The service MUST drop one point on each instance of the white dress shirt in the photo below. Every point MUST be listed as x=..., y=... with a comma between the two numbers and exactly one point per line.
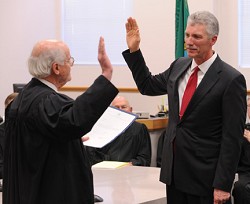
x=203, y=69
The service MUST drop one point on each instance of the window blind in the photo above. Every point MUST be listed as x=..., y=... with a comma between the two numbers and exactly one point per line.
x=244, y=34
x=84, y=21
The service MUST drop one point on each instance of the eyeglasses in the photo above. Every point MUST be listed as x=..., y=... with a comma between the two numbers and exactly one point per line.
x=122, y=107
x=71, y=61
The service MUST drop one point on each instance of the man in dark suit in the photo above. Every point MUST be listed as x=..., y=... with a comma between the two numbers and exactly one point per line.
x=45, y=161
x=202, y=146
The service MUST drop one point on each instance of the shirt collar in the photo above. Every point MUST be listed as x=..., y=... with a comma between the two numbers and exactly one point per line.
x=49, y=84
x=205, y=65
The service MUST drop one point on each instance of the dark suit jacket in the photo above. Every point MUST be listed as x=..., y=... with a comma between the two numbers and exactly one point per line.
x=209, y=135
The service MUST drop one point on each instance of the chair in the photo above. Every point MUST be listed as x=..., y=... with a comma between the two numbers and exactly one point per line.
x=236, y=178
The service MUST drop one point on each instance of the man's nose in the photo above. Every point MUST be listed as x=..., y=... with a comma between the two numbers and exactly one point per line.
x=188, y=40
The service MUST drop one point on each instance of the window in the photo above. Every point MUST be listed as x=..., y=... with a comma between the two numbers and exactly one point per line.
x=244, y=34
x=84, y=21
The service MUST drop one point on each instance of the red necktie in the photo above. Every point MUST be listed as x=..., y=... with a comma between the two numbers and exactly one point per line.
x=189, y=91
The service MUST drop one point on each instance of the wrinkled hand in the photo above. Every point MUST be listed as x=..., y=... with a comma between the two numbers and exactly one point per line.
x=85, y=138
x=247, y=135
x=133, y=35
x=104, y=61
x=220, y=196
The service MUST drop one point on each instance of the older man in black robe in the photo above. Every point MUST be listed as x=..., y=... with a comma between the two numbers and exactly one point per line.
x=45, y=161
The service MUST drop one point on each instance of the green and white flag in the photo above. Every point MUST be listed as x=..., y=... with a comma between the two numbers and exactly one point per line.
x=181, y=15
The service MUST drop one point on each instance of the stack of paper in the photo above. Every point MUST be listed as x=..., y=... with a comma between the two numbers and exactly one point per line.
x=110, y=165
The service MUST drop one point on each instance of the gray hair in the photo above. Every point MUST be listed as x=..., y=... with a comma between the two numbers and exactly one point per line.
x=43, y=55
x=205, y=18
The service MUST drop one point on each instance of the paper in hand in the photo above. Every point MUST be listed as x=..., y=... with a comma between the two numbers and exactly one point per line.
x=111, y=124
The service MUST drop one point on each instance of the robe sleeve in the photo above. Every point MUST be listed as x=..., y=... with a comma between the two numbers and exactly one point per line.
x=69, y=119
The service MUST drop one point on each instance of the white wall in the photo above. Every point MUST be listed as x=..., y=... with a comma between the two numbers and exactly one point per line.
x=23, y=23
x=22, y=26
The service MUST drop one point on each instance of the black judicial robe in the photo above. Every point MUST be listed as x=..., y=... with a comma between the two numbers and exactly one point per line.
x=1, y=149
x=241, y=192
x=45, y=161
x=133, y=145
x=244, y=163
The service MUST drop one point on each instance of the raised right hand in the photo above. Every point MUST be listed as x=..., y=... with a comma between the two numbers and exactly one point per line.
x=107, y=68
x=133, y=35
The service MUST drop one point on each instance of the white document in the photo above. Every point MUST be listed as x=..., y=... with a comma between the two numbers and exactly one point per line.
x=110, y=165
x=111, y=124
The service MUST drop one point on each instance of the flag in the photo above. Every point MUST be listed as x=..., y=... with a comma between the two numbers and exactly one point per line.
x=181, y=15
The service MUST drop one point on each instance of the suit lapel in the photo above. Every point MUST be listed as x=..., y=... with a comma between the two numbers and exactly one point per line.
x=180, y=71
x=206, y=84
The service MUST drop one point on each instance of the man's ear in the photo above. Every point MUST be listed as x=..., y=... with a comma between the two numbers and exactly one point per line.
x=131, y=109
x=214, y=39
x=55, y=68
